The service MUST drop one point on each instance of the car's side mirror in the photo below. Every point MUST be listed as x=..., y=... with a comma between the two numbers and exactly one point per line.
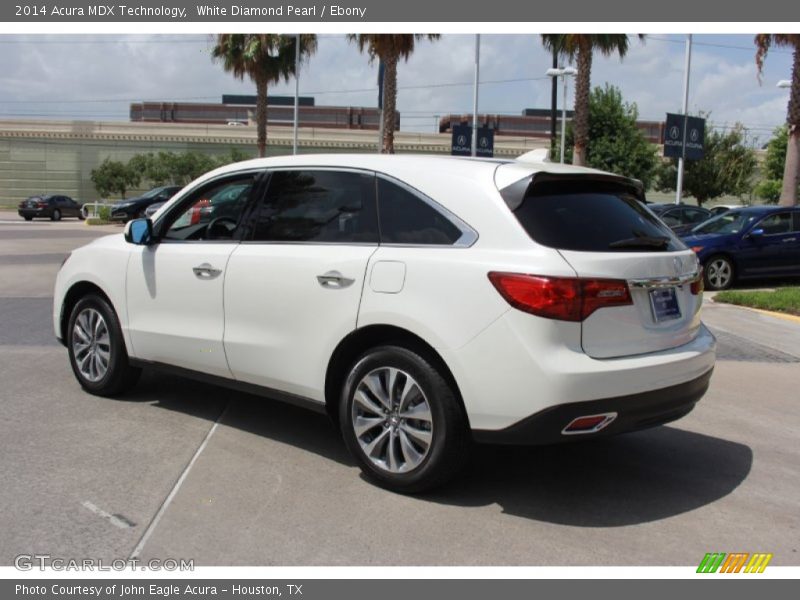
x=756, y=233
x=139, y=232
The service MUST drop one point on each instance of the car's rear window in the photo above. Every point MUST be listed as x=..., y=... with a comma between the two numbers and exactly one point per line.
x=591, y=216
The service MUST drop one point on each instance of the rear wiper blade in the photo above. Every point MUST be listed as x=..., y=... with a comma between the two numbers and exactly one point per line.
x=641, y=242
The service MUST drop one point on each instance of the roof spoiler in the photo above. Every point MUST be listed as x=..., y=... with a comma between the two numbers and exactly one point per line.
x=540, y=155
x=515, y=193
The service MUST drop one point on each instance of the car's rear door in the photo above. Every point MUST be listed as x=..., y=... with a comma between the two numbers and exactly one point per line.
x=292, y=289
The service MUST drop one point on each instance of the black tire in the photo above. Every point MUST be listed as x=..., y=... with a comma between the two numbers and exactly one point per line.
x=718, y=273
x=28, y=218
x=56, y=216
x=120, y=375
x=450, y=445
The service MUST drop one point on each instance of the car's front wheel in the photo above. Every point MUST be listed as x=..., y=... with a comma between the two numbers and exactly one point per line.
x=96, y=349
x=718, y=272
x=402, y=421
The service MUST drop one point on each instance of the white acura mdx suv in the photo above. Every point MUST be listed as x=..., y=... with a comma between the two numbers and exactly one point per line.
x=424, y=303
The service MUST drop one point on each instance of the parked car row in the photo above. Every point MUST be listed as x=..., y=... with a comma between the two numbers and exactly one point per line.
x=133, y=208
x=736, y=243
x=755, y=242
x=56, y=207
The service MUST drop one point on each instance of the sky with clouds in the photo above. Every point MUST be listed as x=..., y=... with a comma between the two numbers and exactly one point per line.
x=96, y=77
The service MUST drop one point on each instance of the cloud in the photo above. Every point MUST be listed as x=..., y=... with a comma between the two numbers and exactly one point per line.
x=65, y=76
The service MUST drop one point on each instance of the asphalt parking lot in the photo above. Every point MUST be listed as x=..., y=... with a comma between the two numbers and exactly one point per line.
x=84, y=476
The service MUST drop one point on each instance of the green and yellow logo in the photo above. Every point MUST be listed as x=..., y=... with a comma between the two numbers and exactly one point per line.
x=719, y=562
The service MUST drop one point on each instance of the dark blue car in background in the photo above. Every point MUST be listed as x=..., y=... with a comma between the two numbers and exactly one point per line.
x=748, y=243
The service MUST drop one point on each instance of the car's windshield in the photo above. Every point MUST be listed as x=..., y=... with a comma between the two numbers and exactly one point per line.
x=729, y=222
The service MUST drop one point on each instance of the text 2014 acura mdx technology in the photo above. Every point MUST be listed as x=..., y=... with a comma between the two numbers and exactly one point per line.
x=424, y=303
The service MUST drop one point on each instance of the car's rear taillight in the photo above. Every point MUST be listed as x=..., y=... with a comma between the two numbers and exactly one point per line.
x=41, y=204
x=562, y=298
x=697, y=286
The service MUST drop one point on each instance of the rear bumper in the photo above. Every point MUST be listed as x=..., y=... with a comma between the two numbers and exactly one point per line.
x=633, y=412
x=33, y=212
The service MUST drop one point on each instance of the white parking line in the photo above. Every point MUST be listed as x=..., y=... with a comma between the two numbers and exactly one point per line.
x=154, y=523
x=113, y=519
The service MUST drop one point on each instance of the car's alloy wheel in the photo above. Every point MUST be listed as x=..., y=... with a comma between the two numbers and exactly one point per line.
x=719, y=273
x=91, y=344
x=56, y=215
x=392, y=420
x=96, y=348
x=402, y=420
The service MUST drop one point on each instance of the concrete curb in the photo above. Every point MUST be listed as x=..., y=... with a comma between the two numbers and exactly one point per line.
x=771, y=313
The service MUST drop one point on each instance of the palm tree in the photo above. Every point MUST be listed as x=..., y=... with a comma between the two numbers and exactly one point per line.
x=265, y=58
x=389, y=49
x=791, y=167
x=580, y=47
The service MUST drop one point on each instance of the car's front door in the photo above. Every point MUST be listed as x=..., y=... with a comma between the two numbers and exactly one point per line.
x=764, y=249
x=175, y=286
x=292, y=290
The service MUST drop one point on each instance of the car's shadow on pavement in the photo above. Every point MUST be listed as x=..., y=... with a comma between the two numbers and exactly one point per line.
x=623, y=480
x=634, y=478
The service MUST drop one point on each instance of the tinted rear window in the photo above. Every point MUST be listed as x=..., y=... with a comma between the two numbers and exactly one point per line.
x=592, y=216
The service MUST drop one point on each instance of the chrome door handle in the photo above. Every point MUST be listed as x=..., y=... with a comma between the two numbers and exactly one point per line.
x=334, y=279
x=206, y=271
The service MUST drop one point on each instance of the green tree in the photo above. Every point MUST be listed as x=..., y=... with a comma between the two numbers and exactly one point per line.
x=265, y=58
x=769, y=188
x=726, y=168
x=113, y=176
x=234, y=155
x=581, y=48
x=181, y=167
x=389, y=49
x=618, y=145
x=791, y=166
x=151, y=168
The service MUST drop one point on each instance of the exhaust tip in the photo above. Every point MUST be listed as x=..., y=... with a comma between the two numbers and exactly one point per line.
x=589, y=424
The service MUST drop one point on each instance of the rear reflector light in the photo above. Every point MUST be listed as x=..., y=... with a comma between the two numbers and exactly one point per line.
x=562, y=298
x=589, y=424
x=697, y=285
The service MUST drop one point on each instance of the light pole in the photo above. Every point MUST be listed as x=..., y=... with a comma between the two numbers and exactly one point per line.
x=563, y=72
x=682, y=157
x=296, y=92
x=475, y=94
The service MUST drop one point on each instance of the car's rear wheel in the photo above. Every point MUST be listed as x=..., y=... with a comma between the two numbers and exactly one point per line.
x=97, y=350
x=56, y=216
x=718, y=273
x=29, y=218
x=402, y=421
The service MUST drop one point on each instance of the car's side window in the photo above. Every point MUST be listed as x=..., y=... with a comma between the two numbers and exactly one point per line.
x=776, y=224
x=405, y=218
x=694, y=216
x=212, y=213
x=796, y=221
x=325, y=206
x=671, y=218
